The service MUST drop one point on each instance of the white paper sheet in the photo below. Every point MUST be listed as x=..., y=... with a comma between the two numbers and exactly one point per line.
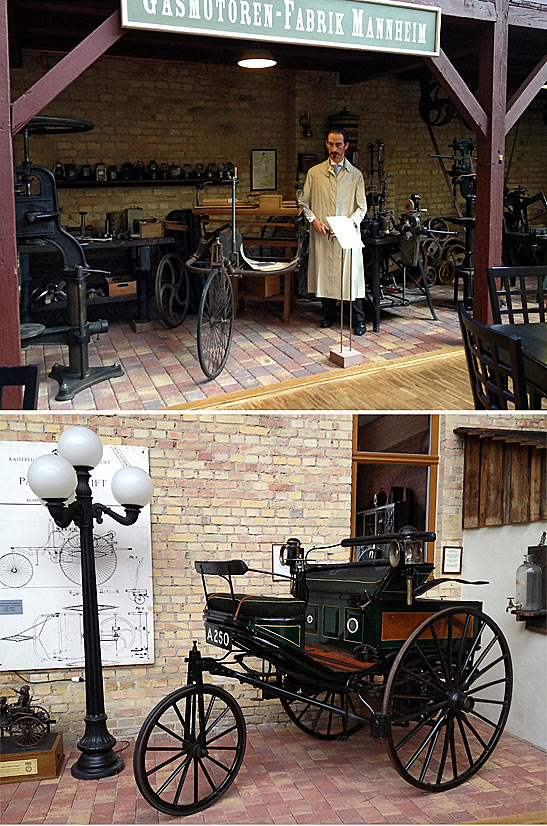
x=347, y=234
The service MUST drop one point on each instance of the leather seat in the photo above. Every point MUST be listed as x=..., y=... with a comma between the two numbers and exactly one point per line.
x=250, y=605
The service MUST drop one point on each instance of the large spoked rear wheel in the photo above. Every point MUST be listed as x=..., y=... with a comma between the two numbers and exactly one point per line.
x=215, y=322
x=447, y=698
x=319, y=722
x=189, y=749
x=172, y=289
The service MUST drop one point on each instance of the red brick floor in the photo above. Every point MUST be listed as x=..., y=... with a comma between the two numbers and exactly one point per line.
x=161, y=366
x=288, y=777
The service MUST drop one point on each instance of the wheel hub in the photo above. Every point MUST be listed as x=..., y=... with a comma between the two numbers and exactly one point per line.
x=197, y=749
x=458, y=701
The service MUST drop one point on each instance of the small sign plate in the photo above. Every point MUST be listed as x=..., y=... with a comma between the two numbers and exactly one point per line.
x=216, y=635
x=14, y=768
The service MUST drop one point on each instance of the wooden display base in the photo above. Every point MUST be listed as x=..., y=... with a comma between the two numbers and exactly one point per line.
x=18, y=765
x=346, y=357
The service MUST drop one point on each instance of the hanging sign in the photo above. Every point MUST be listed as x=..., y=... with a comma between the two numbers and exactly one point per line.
x=343, y=24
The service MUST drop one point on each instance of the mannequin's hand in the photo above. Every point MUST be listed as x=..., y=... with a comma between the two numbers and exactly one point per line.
x=319, y=226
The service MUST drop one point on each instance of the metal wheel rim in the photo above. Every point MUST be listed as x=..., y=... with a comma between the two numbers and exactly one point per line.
x=215, y=323
x=448, y=687
x=454, y=251
x=317, y=722
x=172, y=289
x=27, y=730
x=184, y=723
x=446, y=271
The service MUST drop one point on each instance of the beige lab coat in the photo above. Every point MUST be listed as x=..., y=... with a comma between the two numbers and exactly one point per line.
x=323, y=195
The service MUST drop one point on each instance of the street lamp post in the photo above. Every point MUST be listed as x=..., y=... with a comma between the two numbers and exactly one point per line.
x=66, y=476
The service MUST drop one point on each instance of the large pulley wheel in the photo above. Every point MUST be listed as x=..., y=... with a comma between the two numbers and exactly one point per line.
x=215, y=322
x=189, y=749
x=319, y=722
x=172, y=289
x=447, y=698
x=46, y=125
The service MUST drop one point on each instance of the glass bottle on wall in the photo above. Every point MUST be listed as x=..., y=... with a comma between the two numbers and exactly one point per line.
x=528, y=589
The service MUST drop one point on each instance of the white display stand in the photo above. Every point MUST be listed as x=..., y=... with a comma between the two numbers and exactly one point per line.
x=348, y=236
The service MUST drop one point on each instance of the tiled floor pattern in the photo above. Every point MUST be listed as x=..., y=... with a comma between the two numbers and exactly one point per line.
x=161, y=366
x=288, y=777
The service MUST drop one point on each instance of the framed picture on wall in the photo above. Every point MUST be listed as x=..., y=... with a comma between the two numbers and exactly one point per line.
x=452, y=559
x=264, y=169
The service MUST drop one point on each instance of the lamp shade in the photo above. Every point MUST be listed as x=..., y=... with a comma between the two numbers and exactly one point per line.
x=132, y=486
x=81, y=447
x=52, y=477
x=257, y=59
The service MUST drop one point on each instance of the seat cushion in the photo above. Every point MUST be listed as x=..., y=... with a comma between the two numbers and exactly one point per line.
x=250, y=605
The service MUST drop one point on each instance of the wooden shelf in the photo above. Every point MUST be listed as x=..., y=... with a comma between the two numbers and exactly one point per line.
x=91, y=184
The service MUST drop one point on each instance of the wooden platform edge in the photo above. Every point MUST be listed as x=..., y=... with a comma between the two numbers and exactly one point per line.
x=218, y=402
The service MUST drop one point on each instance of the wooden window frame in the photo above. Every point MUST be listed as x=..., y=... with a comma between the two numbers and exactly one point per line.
x=430, y=460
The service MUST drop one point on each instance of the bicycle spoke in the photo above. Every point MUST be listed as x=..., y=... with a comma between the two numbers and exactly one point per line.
x=218, y=763
x=173, y=775
x=207, y=775
x=165, y=763
x=464, y=738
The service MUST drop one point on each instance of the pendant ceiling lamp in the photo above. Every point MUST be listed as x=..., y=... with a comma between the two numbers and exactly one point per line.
x=257, y=59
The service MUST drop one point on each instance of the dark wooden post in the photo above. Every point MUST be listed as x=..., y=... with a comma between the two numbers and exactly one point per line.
x=10, y=333
x=492, y=95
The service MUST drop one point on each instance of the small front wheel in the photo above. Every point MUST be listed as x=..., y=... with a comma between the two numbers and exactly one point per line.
x=215, y=322
x=189, y=749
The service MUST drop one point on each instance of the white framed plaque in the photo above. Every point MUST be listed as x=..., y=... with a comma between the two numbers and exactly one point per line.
x=452, y=559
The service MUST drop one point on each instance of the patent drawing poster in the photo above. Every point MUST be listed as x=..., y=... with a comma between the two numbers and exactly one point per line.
x=40, y=571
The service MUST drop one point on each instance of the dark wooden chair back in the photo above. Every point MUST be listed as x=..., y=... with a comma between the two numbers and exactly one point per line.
x=517, y=294
x=494, y=362
x=27, y=377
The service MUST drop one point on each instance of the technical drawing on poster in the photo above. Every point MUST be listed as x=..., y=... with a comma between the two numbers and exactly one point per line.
x=40, y=572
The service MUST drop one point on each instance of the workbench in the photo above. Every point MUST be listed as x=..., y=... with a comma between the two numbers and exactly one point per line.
x=140, y=250
x=255, y=217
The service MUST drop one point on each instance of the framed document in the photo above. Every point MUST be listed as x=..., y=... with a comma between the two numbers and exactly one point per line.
x=452, y=559
x=263, y=169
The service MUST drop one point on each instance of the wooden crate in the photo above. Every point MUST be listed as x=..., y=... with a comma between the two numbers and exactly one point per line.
x=120, y=285
x=45, y=763
x=270, y=201
x=263, y=286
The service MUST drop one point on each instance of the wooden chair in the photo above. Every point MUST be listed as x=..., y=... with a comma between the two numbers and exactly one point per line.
x=517, y=294
x=495, y=365
x=27, y=377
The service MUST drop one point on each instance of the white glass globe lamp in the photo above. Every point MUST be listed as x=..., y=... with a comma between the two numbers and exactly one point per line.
x=52, y=477
x=132, y=486
x=81, y=447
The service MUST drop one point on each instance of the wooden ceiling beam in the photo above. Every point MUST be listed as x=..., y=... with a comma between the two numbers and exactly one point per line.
x=65, y=72
x=457, y=89
x=525, y=94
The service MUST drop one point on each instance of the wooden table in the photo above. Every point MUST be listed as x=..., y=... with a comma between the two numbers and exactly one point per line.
x=142, y=248
x=255, y=216
x=534, y=351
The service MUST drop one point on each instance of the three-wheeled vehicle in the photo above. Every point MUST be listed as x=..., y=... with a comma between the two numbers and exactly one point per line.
x=354, y=644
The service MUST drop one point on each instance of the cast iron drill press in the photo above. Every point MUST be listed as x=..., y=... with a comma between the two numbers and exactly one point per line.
x=37, y=219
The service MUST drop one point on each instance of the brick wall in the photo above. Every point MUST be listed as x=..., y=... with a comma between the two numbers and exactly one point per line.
x=225, y=487
x=229, y=486
x=191, y=112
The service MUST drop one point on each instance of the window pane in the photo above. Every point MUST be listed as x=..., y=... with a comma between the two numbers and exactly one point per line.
x=393, y=434
x=389, y=497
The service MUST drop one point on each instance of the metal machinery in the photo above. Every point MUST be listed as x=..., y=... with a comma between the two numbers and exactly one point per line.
x=353, y=646
x=26, y=723
x=37, y=221
x=523, y=245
